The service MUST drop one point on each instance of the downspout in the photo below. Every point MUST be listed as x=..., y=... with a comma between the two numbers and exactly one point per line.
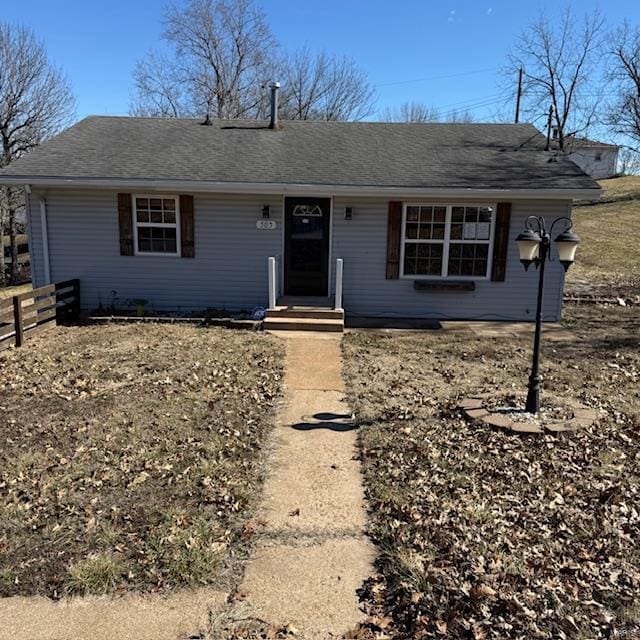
x=45, y=241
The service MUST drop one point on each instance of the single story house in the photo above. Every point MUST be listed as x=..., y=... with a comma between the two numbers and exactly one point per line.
x=404, y=220
x=597, y=159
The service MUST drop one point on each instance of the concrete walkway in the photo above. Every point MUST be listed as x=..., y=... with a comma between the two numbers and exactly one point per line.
x=131, y=617
x=312, y=554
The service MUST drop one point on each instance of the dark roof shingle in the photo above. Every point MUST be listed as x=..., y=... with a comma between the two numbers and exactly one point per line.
x=413, y=155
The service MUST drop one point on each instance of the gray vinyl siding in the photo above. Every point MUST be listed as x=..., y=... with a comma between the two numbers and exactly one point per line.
x=362, y=244
x=229, y=270
x=230, y=267
x=34, y=231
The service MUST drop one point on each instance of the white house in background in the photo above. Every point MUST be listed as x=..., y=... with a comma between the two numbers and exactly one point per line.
x=598, y=159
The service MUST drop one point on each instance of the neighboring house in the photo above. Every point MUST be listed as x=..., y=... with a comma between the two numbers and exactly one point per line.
x=598, y=159
x=186, y=216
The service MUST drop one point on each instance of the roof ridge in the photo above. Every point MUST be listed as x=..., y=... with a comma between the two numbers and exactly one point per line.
x=309, y=122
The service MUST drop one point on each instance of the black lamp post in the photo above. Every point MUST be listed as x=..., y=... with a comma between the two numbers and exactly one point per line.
x=534, y=245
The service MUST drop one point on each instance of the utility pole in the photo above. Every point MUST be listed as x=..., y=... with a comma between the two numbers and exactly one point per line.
x=549, y=122
x=520, y=73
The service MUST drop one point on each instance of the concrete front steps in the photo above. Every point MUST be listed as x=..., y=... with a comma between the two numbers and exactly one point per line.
x=294, y=317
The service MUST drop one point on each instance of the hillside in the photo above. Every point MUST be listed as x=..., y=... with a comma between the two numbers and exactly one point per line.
x=608, y=260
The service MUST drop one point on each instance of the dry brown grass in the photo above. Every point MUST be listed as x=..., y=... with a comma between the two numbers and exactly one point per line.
x=624, y=187
x=483, y=534
x=608, y=258
x=131, y=456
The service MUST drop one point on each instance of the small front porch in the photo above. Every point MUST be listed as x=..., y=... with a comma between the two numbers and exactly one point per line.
x=304, y=313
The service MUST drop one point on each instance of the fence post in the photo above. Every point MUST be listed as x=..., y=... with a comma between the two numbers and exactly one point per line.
x=18, y=321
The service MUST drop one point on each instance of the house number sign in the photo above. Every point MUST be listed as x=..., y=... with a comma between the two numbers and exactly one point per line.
x=266, y=224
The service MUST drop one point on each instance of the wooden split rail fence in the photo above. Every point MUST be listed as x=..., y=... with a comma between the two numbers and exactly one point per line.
x=30, y=312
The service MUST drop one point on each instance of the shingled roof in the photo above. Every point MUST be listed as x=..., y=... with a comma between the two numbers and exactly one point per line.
x=358, y=154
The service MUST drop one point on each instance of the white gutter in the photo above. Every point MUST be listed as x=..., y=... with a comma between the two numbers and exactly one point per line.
x=45, y=241
x=266, y=188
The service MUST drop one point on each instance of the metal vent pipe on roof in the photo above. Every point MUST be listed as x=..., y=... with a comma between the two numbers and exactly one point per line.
x=273, y=120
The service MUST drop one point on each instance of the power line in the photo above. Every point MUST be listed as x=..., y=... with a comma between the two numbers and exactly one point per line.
x=453, y=75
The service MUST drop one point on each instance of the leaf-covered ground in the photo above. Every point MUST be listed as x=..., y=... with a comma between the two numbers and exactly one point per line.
x=131, y=456
x=483, y=534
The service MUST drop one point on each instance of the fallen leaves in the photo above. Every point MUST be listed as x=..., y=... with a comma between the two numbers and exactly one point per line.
x=489, y=536
x=130, y=456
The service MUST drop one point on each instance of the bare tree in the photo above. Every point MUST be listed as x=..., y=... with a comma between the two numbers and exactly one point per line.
x=462, y=117
x=411, y=112
x=224, y=54
x=560, y=60
x=160, y=89
x=35, y=103
x=223, y=57
x=624, y=114
x=324, y=87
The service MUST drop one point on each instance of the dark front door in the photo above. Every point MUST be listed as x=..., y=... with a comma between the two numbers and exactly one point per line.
x=306, y=246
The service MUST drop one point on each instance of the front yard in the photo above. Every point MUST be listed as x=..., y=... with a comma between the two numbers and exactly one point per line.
x=131, y=456
x=483, y=534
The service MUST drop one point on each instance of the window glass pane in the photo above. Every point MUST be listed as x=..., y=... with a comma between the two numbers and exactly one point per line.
x=438, y=232
x=142, y=216
x=483, y=230
x=169, y=204
x=426, y=214
x=485, y=214
x=456, y=231
x=170, y=217
x=480, y=268
x=457, y=214
x=142, y=203
x=425, y=231
x=471, y=214
x=412, y=231
x=155, y=203
x=466, y=267
x=439, y=214
x=424, y=250
x=156, y=216
x=412, y=214
x=157, y=239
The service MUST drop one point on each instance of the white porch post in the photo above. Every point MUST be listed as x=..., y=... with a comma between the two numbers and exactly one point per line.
x=272, y=282
x=339, y=269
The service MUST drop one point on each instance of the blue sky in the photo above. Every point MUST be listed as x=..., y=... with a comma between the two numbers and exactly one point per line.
x=396, y=43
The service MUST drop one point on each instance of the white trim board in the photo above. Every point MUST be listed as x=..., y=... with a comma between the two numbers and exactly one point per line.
x=263, y=188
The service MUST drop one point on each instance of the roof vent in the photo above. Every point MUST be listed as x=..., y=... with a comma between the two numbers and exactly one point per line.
x=273, y=120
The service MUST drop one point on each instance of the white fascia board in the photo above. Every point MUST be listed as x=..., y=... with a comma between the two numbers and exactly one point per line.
x=267, y=188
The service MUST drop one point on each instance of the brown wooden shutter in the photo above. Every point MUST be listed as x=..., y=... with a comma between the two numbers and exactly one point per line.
x=501, y=242
x=186, y=227
x=394, y=231
x=125, y=221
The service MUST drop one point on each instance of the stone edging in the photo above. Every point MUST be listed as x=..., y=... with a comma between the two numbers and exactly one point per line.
x=475, y=408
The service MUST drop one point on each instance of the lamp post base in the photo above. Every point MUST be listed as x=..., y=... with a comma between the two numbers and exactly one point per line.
x=533, y=399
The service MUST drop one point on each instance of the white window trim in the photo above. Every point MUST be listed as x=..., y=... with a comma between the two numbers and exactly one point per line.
x=169, y=225
x=446, y=242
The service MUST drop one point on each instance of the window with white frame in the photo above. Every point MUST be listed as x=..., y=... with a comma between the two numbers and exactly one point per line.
x=440, y=241
x=156, y=224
